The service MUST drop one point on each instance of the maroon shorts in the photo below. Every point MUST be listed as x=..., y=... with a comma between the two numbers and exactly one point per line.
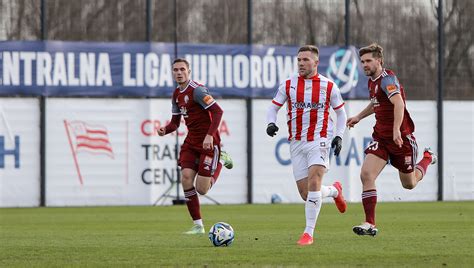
x=403, y=159
x=204, y=162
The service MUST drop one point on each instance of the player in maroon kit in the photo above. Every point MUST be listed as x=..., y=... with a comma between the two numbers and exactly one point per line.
x=200, y=152
x=393, y=138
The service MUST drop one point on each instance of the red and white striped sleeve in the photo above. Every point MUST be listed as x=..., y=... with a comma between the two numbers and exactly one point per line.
x=280, y=95
x=336, y=99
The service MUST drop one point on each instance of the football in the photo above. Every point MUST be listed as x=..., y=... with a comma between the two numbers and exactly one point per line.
x=221, y=234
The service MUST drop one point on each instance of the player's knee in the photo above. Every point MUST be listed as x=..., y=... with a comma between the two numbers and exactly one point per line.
x=187, y=180
x=366, y=176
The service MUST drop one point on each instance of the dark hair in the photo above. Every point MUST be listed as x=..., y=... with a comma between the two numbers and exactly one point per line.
x=181, y=60
x=374, y=48
x=311, y=48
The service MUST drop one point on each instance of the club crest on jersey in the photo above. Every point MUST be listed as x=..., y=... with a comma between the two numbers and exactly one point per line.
x=407, y=160
x=374, y=101
x=186, y=99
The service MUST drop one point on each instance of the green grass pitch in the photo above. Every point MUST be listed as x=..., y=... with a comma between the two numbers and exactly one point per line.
x=424, y=234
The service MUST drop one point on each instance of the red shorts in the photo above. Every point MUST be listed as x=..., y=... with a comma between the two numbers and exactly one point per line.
x=403, y=159
x=204, y=162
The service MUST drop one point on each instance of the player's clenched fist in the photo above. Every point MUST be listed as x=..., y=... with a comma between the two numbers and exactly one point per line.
x=336, y=144
x=161, y=131
x=272, y=129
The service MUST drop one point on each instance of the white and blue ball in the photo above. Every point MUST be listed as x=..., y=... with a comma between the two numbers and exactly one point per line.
x=221, y=234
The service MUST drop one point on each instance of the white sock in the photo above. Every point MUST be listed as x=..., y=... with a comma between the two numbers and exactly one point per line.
x=312, y=208
x=199, y=222
x=329, y=191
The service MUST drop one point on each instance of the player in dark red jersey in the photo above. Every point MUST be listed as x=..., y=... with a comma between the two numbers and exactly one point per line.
x=393, y=138
x=200, y=152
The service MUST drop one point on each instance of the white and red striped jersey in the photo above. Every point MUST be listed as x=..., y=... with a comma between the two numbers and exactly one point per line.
x=308, y=102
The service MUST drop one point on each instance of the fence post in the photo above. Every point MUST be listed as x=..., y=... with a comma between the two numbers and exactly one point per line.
x=148, y=21
x=42, y=100
x=248, y=102
x=440, y=98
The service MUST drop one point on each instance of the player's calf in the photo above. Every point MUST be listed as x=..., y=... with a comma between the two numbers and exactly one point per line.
x=409, y=185
x=203, y=184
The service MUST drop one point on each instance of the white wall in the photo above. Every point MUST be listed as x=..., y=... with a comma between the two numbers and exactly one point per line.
x=19, y=129
x=130, y=177
x=458, y=150
x=134, y=175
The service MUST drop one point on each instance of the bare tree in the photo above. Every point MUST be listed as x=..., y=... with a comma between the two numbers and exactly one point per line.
x=458, y=47
x=406, y=29
x=20, y=19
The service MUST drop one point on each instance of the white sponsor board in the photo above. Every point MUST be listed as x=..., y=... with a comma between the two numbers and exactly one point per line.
x=19, y=152
x=129, y=164
x=458, y=154
x=273, y=170
x=108, y=152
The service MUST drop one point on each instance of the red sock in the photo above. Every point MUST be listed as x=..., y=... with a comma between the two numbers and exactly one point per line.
x=369, y=200
x=192, y=201
x=423, y=164
x=215, y=176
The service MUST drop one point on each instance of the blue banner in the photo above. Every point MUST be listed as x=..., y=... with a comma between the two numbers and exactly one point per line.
x=54, y=68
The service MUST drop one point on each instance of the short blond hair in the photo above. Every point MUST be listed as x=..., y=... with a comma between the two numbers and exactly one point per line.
x=375, y=49
x=311, y=48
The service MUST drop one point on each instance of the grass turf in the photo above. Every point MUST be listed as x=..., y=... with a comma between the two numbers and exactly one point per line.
x=433, y=234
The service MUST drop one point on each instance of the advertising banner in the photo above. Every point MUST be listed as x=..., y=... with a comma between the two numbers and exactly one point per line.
x=108, y=152
x=55, y=68
x=19, y=152
x=272, y=163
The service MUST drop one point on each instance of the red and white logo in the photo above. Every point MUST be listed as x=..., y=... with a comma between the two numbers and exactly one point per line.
x=87, y=138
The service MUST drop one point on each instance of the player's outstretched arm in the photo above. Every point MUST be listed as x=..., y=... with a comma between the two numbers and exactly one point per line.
x=352, y=121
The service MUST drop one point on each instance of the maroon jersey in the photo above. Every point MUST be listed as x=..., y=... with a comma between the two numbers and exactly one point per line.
x=381, y=89
x=192, y=103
